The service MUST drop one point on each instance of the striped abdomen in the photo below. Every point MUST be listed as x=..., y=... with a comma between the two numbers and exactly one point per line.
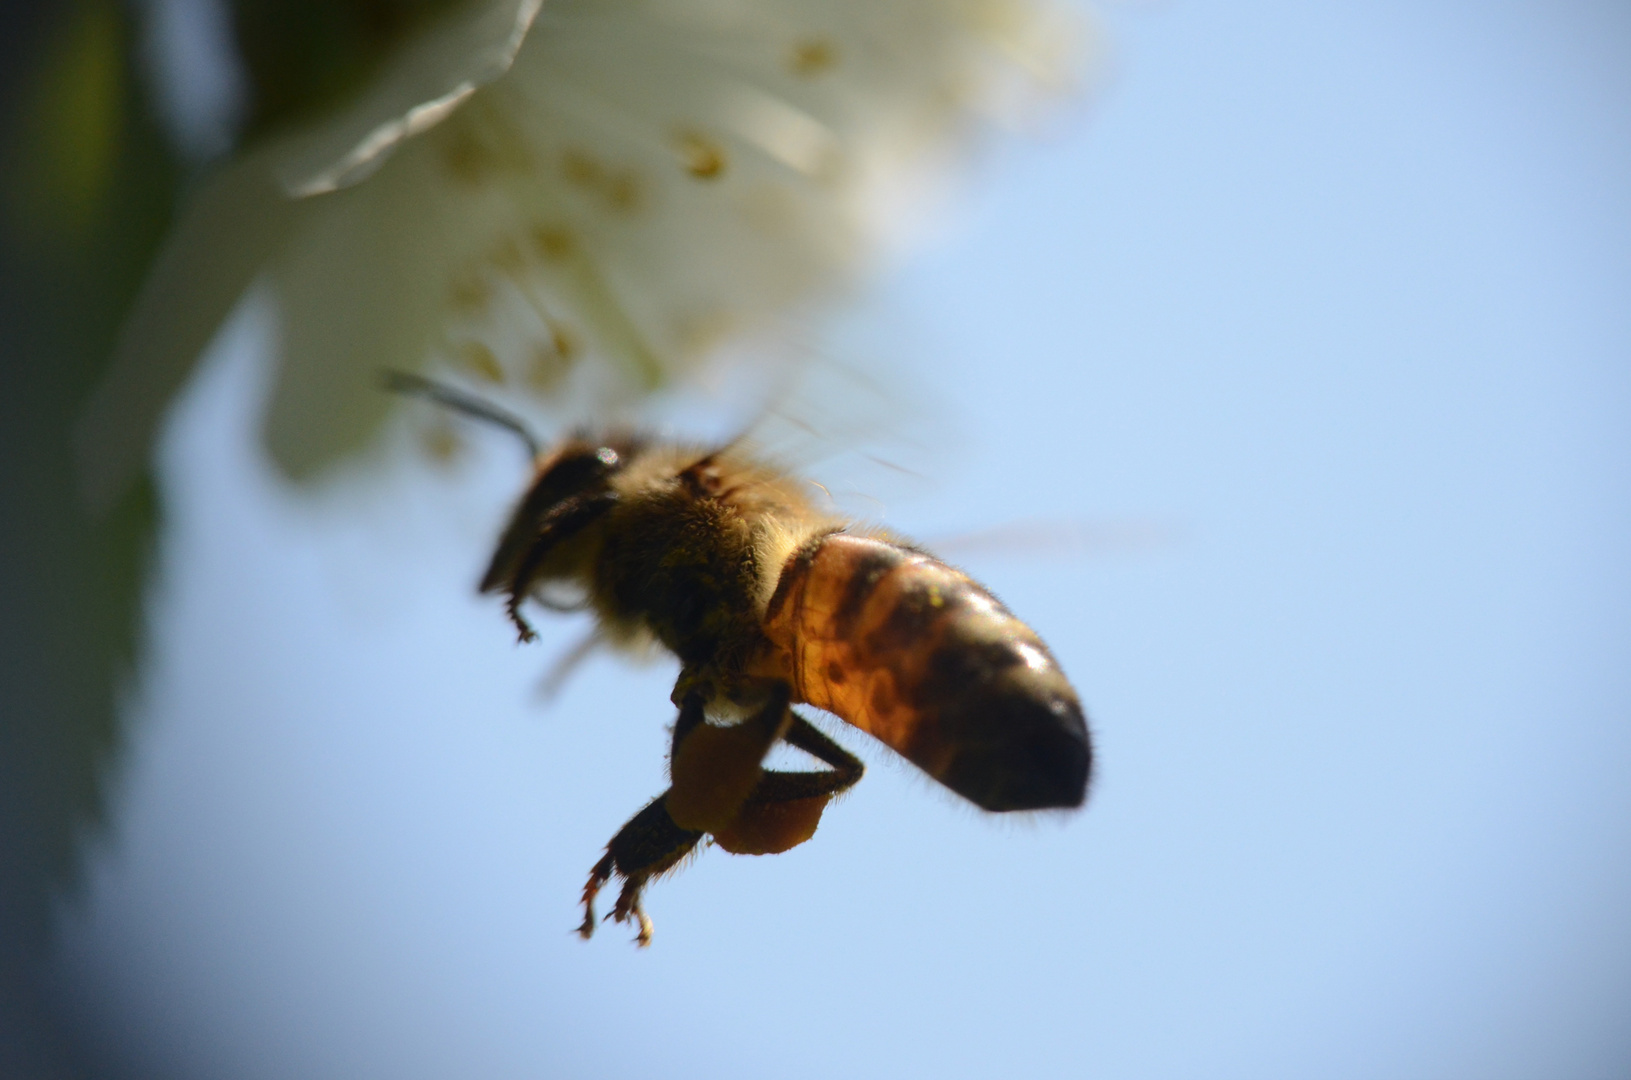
x=906, y=648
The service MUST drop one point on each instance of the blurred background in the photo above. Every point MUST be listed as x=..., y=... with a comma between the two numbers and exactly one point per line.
x=1314, y=322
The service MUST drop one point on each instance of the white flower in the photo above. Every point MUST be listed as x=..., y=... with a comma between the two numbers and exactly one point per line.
x=530, y=186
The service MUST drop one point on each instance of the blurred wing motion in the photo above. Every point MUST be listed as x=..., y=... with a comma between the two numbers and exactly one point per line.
x=576, y=201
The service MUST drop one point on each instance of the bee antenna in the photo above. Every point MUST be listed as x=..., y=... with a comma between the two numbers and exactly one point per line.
x=402, y=382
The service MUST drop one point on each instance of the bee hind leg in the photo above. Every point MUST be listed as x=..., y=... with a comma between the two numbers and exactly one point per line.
x=642, y=849
x=598, y=877
x=843, y=772
x=844, y=768
x=629, y=909
x=784, y=808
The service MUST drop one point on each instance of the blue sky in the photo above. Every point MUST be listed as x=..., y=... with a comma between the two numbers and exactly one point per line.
x=1340, y=298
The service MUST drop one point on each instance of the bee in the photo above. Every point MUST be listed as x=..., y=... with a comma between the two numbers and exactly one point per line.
x=769, y=602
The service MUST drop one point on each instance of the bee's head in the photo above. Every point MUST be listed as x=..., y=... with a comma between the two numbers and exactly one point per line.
x=572, y=486
x=573, y=476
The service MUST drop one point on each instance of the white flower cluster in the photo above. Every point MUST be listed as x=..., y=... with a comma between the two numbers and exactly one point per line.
x=532, y=186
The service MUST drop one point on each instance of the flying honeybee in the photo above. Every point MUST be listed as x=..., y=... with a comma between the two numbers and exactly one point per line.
x=769, y=602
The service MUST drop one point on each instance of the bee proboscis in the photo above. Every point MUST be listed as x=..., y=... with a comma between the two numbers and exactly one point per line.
x=769, y=602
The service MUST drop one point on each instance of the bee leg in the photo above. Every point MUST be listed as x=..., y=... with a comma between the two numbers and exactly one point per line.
x=562, y=523
x=642, y=849
x=598, y=877
x=629, y=908
x=567, y=663
x=691, y=715
x=846, y=767
x=784, y=808
x=713, y=768
x=649, y=843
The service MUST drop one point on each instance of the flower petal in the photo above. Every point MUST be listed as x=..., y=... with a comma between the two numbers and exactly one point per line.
x=649, y=180
x=235, y=222
x=435, y=74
